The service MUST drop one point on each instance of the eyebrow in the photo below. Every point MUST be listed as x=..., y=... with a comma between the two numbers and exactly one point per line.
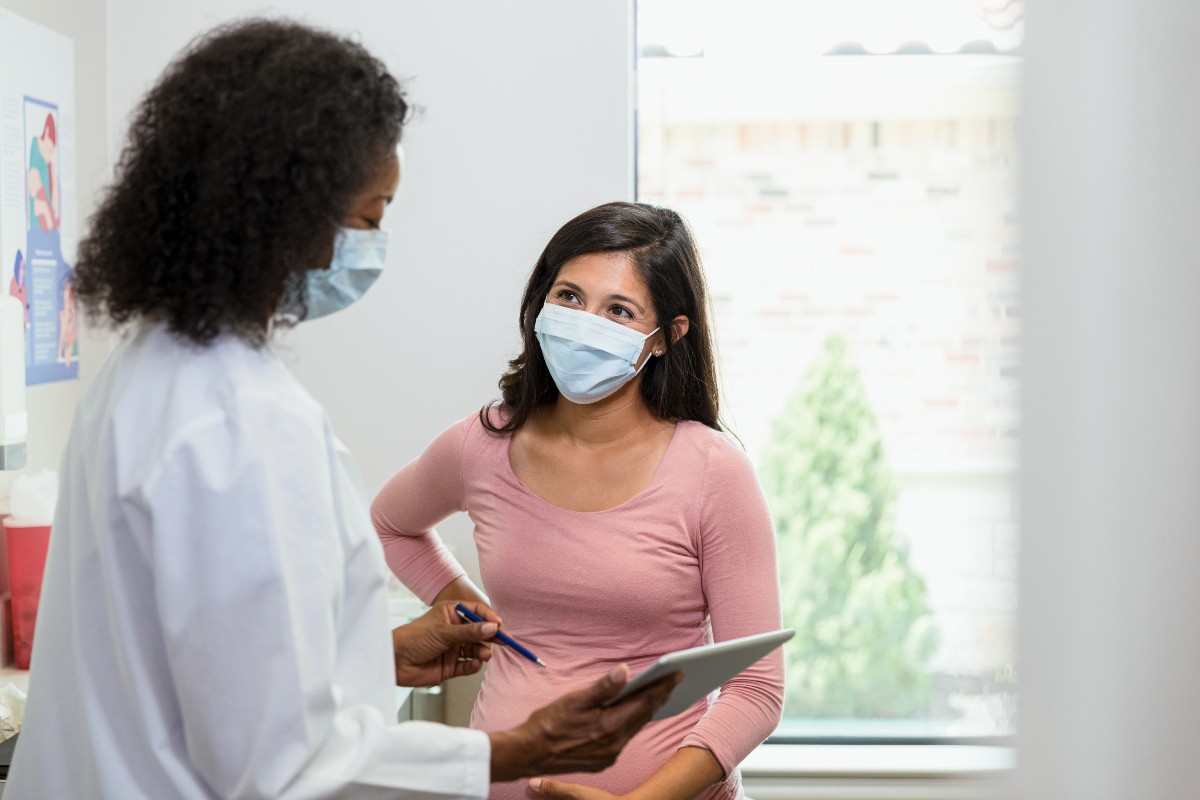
x=620, y=297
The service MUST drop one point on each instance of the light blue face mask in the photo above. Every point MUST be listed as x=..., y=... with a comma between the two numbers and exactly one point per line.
x=358, y=258
x=589, y=357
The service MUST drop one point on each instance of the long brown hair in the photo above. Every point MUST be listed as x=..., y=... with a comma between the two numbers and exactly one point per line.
x=682, y=383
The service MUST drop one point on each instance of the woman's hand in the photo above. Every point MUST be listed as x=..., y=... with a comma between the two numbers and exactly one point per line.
x=686, y=774
x=439, y=645
x=570, y=791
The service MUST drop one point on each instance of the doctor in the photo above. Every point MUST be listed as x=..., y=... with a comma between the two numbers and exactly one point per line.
x=213, y=613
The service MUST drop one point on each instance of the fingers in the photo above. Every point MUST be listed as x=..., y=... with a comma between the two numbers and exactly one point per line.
x=634, y=712
x=659, y=692
x=467, y=666
x=469, y=632
x=549, y=788
x=606, y=688
x=483, y=610
x=475, y=651
x=469, y=659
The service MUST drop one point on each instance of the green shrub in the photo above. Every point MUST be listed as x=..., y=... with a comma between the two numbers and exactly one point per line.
x=864, y=631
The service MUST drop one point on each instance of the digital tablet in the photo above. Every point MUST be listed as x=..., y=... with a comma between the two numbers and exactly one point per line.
x=704, y=668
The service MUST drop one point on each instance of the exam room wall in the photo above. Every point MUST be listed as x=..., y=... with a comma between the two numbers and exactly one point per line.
x=51, y=406
x=525, y=122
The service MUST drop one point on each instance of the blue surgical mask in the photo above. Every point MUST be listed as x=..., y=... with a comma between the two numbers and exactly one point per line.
x=358, y=258
x=589, y=357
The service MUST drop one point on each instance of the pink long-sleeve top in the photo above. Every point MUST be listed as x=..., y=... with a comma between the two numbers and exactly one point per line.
x=687, y=561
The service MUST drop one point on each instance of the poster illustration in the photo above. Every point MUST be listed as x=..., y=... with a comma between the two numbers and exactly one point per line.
x=37, y=192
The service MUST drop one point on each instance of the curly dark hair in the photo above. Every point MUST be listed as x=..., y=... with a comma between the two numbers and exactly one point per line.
x=241, y=163
x=682, y=383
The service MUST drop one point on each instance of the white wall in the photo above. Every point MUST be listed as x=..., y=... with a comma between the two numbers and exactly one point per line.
x=1110, y=545
x=526, y=122
x=51, y=406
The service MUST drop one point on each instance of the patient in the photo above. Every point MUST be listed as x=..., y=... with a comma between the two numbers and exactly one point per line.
x=615, y=521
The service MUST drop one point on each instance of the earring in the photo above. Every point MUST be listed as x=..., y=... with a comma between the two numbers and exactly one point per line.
x=658, y=352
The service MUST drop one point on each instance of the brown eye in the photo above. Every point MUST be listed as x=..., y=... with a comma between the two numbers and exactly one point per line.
x=620, y=311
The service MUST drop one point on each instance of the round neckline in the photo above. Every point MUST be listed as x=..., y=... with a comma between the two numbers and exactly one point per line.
x=654, y=479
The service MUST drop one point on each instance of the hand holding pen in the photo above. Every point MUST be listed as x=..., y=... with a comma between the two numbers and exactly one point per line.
x=437, y=645
x=501, y=637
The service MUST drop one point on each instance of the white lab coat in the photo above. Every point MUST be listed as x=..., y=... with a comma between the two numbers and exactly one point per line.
x=213, y=621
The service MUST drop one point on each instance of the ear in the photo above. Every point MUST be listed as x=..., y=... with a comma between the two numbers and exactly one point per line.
x=679, y=328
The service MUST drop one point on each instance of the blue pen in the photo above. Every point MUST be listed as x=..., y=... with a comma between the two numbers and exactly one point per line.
x=471, y=616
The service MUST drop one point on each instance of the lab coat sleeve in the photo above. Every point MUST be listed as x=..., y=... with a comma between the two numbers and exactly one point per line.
x=741, y=587
x=249, y=574
x=419, y=496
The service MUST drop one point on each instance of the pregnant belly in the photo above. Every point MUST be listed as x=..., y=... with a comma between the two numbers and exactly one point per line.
x=511, y=692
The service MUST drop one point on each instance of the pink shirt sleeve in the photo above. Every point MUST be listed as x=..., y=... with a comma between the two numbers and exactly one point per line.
x=419, y=496
x=741, y=586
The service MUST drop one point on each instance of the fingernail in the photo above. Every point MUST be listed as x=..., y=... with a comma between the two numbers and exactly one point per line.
x=536, y=783
x=490, y=628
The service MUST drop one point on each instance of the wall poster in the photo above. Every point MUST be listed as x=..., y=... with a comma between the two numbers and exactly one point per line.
x=38, y=226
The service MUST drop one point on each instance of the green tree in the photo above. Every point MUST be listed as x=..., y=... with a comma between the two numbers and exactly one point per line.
x=864, y=632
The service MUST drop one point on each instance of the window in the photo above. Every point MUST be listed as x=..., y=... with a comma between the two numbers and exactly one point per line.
x=850, y=171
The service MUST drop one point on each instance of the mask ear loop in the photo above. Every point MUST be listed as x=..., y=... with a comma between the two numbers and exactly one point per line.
x=660, y=352
x=652, y=352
